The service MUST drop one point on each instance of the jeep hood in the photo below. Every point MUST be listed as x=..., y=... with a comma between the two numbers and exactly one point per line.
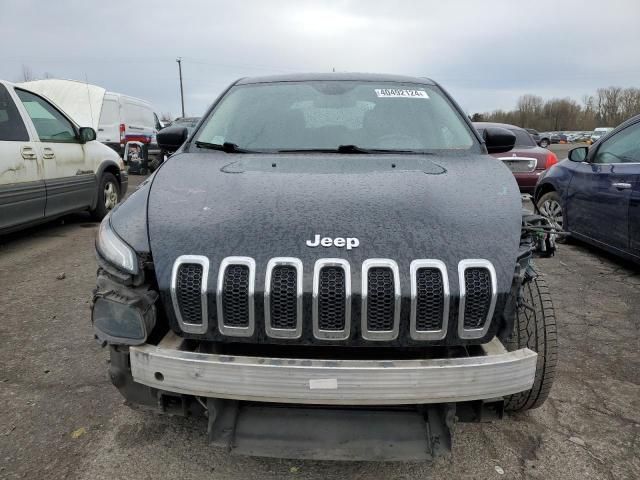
x=402, y=207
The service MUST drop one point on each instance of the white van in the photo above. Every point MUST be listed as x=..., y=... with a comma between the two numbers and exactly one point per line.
x=117, y=118
x=599, y=132
x=49, y=165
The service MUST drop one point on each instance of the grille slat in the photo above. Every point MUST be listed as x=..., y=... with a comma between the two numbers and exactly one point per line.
x=478, y=295
x=235, y=296
x=284, y=297
x=189, y=291
x=429, y=299
x=332, y=295
x=380, y=299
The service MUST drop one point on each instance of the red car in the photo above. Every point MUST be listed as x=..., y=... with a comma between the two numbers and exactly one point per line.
x=527, y=160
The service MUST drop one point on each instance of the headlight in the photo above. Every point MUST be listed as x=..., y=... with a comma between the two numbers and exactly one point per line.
x=122, y=320
x=114, y=250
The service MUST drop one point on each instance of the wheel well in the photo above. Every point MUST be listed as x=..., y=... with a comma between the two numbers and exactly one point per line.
x=115, y=171
x=545, y=188
x=112, y=169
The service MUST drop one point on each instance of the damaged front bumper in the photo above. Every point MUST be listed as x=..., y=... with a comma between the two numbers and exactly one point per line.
x=171, y=366
x=385, y=410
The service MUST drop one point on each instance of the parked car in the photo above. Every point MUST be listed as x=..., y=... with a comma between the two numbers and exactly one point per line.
x=541, y=138
x=115, y=116
x=322, y=249
x=599, y=132
x=526, y=160
x=49, y=166
x=558, y=137
x=582, y=137
x=592, y=195
x=189, y=123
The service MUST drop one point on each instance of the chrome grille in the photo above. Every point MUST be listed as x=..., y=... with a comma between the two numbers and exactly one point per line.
x=283, y=298
x=189, y=278
x=332, y=299
x=236, y=279
x=235, y=296
x=331, y=310
x=189, y=289
x=430, y=299
x=380, y=299
x=477, y=297
x=477, y=284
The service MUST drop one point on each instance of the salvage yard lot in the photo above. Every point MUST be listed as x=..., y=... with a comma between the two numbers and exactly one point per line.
x=62, y=418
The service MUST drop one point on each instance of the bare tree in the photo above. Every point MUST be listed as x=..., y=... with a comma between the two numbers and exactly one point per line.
x=629, y=103
x=529, y=108
x=607, y=107
x=608, y=100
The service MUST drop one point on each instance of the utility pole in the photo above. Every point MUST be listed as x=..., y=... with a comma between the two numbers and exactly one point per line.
x=179, y=60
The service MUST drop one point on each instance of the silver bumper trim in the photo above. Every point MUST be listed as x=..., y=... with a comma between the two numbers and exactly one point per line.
x=333, y=382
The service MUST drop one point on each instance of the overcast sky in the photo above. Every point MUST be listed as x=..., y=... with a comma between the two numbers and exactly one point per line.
x=486, y=53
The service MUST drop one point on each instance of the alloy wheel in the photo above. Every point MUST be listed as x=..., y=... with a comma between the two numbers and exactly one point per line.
x=553, y=211
x=110, y=195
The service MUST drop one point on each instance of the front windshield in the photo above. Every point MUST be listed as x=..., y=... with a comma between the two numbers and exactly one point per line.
x=323, y=115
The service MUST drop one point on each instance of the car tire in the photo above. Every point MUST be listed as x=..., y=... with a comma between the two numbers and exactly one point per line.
x=535, y=328
x=108, y=196
x=550, y=206
x=544, y=143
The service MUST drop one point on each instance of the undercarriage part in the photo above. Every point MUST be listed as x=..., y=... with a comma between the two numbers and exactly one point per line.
x=325, y=433
x=538, y=235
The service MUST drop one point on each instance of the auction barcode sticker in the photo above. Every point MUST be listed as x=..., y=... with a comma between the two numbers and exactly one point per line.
x=400, y=93
x=323, y=384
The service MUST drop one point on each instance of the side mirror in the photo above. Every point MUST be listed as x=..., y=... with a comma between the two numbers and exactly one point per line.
x=498, y=140
x=171, y=138
x=87, y=134
x=578, y=154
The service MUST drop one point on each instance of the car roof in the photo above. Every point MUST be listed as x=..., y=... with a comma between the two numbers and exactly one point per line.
x=308, y=77
x=499, y=125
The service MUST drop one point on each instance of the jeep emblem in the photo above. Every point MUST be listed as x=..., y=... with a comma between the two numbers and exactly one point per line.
x=339, y=242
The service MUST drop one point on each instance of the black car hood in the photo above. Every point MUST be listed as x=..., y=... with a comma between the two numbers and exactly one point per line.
x=401, y=207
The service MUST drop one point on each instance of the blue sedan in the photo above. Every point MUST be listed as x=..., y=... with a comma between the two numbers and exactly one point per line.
x=595, y=193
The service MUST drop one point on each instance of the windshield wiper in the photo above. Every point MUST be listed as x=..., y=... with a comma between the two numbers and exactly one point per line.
x=226, y=147
x=348, y=149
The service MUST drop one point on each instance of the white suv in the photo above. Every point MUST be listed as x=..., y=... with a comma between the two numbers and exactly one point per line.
x=49, y=166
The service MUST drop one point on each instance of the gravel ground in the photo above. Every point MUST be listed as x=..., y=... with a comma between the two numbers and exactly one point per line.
x=61, y=418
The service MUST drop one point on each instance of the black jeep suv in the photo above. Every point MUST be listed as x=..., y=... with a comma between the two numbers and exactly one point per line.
x=330, y=266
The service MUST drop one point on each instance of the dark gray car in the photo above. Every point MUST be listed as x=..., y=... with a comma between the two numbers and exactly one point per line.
x=331, y=254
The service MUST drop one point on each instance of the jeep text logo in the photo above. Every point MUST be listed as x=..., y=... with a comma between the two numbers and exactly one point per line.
x=348, y=242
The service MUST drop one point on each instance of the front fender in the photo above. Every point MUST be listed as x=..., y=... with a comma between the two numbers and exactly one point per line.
x=129, y=219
